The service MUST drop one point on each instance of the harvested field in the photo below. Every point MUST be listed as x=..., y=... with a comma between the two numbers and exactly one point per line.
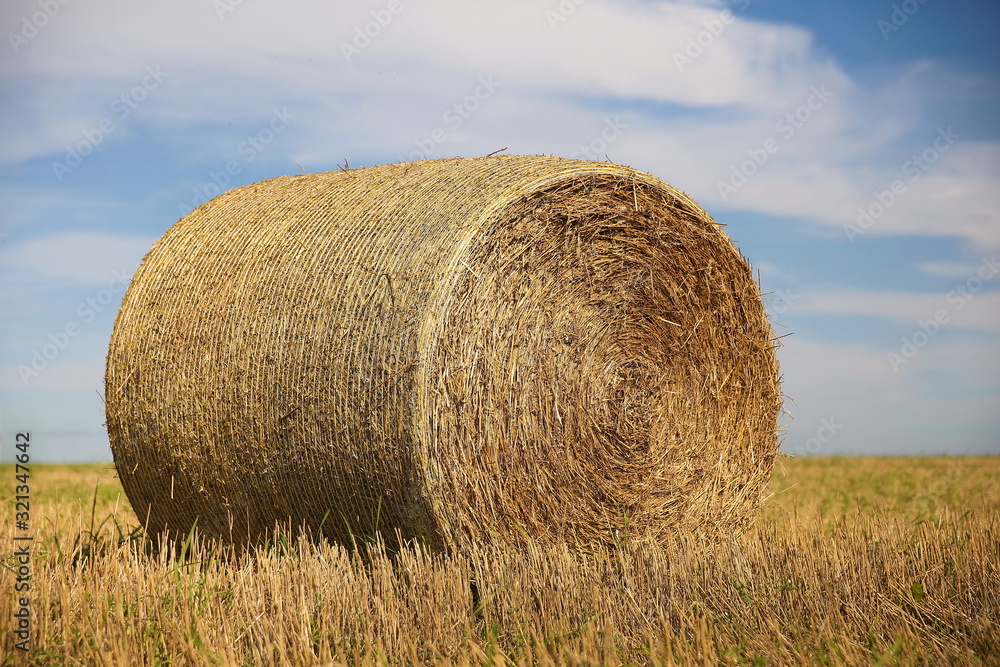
x=853, y=561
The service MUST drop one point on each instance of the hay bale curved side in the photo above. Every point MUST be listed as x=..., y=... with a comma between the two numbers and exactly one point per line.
x=457, y=350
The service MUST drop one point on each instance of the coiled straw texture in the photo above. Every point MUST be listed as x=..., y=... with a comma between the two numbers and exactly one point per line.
x=458, y=351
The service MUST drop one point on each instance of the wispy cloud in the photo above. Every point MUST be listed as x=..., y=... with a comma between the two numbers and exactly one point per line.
x=559, y=86
x=81, y=258
x=964, y=309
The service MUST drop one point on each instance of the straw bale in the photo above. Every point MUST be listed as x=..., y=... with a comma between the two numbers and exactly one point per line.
x=459, y=351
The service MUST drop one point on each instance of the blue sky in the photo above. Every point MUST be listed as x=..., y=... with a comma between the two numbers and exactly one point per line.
x=851, y=150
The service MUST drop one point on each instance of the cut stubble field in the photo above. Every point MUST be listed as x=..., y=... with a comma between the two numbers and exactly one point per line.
x=887, y=561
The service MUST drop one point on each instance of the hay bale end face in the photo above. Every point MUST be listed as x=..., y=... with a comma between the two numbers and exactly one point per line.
x=459, y=351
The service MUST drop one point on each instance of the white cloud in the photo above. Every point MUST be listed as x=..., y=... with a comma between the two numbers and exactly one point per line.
x=30, y=206
x=934, y=404
x=426, y=55
x=964, y=307
x=85, y=258
x=64, y=373
x=558, y=86
x=957, y=195
x=947, y=268
x=768, y=269
x=833, y=370
x=296, y=41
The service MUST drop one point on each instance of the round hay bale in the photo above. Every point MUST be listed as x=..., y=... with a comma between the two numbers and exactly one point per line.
x=460, y=351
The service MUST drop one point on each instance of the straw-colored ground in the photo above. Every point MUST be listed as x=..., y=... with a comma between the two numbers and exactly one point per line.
x=854, y=561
